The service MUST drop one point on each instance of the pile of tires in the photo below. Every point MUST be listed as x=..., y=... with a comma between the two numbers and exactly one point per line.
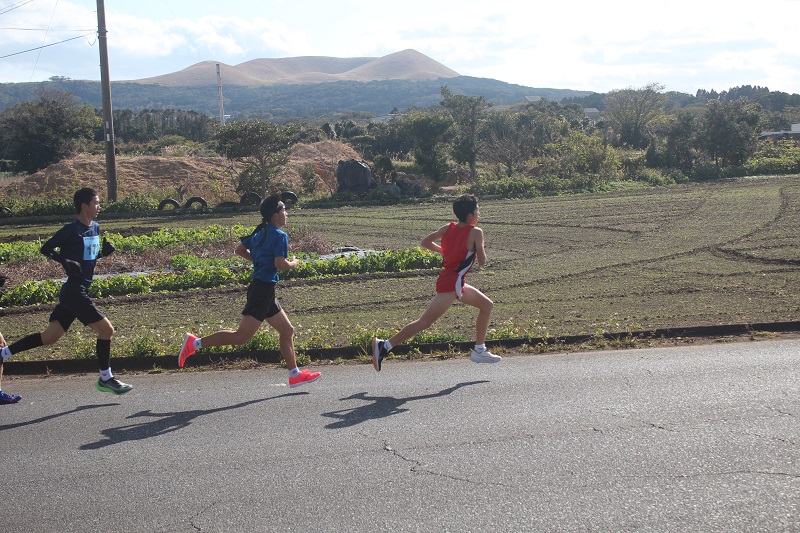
x=197, y=202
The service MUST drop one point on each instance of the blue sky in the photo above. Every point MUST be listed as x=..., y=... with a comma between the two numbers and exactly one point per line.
x=598, y=46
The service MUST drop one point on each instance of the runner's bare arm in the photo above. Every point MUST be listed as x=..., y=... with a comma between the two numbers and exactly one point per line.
x=429, y=241
x=475, y=242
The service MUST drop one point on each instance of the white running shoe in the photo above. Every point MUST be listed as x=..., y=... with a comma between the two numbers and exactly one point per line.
x=484, y=357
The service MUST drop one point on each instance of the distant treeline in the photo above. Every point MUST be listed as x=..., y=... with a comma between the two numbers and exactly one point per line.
x=775, y=101
x=287, y=102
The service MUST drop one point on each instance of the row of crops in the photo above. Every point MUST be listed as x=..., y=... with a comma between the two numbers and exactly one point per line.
x=187, y=271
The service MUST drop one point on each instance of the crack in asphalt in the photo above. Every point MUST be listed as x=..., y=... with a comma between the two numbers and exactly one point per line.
x=418, y=469
x=201, y=513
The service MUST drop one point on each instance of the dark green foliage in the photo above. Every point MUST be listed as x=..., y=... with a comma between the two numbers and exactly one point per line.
x=38, y=133
x=468, y=113
x=728, y=131
x=149, y=125
x=431, y=132
x=132, y=202
x=263, y=147
x=195, y=273
x=39, y=207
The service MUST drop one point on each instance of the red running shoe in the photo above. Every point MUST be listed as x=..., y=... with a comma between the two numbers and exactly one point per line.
x=187, y=349
x=304, y=377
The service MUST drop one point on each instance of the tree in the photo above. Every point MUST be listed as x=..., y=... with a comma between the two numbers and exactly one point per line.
x=467, y=113
x=430, y=131
x=680, y=138
x=150, y=125
x=631, y=113
x=37, y=133
x=728, y=131
x=547, y=122
x=505, y=142
x=262, y=147
x=582, y=161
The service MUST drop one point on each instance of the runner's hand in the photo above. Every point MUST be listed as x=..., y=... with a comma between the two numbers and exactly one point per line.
x=72, y=267
x=108, y=248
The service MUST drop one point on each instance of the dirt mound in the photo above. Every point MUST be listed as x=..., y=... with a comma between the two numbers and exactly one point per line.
x=213, y=178
x=324, y=156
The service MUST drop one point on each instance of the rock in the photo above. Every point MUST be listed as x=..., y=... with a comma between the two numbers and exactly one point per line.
x=353, y=176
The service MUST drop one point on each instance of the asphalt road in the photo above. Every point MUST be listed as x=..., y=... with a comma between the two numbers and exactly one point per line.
x=701, y=438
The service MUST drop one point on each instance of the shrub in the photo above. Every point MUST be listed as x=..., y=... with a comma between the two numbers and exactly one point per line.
x=655, y=177
x=710, y=171
x=633, y=163
x=511, y=187
x=309, y=180
x=585, y=161
x=782, y=157
x=134, y=202
x=40, y=207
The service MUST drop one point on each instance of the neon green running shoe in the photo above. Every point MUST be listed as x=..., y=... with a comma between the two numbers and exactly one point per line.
x=112, y=385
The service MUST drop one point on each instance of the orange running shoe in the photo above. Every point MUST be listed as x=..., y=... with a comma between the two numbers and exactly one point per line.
x=187, y=349
x=304, y=377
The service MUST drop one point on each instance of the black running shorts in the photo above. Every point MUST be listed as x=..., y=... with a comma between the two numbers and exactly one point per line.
x=74, y=302
x=261, y=302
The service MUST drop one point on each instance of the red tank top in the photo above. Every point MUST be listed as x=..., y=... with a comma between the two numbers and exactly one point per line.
x=454, y=246
x=457, y=260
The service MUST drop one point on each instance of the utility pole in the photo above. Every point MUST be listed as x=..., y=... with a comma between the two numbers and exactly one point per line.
x=108, y=118
x=219, y=97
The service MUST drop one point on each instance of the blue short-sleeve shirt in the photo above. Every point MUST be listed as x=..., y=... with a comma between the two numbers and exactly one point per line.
x=265, y=245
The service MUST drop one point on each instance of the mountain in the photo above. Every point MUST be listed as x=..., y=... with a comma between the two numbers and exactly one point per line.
x=294, y=88
x=405, y=65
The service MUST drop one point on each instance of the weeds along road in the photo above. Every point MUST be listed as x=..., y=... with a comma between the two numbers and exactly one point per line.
x=673, y=439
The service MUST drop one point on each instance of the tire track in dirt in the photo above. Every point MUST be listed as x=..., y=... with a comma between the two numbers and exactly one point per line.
x=717, y=250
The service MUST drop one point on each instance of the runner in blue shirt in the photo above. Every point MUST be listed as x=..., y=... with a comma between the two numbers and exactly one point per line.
x=267, y=247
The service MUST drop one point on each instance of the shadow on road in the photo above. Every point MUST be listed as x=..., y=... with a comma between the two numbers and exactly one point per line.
x=381, y=406
x=50, y=417
x=164, y=423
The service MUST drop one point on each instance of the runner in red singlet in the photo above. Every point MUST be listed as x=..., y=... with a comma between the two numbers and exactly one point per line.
x=461, y=245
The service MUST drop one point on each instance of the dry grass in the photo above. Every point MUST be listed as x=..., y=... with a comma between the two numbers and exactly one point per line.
x=6, y=180
x=213, y=178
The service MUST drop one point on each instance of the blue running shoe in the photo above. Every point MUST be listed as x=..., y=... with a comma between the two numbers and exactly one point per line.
x=9, y=398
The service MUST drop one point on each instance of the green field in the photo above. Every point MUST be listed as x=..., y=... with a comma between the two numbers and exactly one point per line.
x=702, y=254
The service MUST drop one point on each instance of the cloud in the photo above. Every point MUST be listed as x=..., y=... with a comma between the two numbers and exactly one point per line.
x=684, y=44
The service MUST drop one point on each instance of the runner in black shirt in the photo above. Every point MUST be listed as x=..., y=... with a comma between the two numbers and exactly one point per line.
x=77, y=246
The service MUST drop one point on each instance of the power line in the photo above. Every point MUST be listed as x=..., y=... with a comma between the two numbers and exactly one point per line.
x=45, y=46
x=45, y=29
x=49, y=25
x=13, y=7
